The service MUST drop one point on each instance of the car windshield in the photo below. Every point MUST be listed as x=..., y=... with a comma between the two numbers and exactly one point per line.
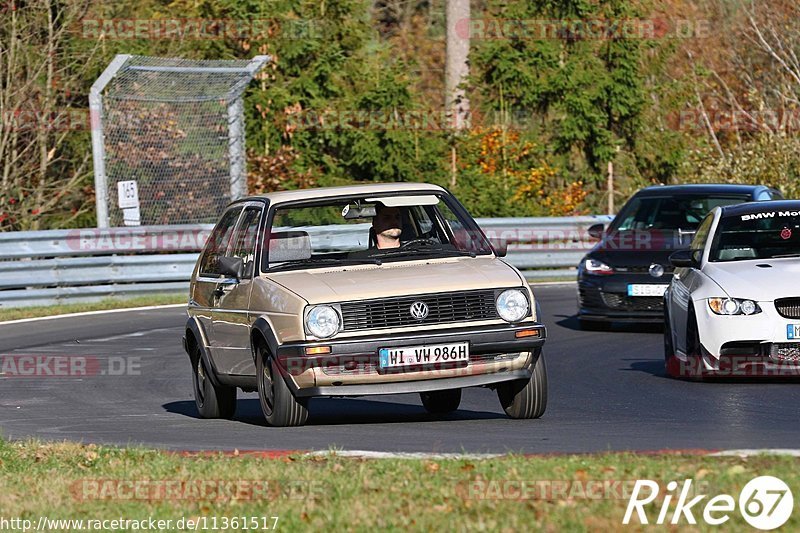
x=669, y=212
x=764, y=235
x=371, y=229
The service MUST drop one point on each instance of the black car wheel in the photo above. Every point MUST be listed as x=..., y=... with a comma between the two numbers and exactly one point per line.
x=212, y=401
x=526, y=398
x=671, y=362
x=694, y=350
x=441, y=401
x=278, y=404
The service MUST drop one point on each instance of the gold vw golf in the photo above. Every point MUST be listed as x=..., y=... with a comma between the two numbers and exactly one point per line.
x=353, y=291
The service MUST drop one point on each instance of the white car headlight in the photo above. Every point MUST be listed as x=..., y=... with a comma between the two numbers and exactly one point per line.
x=512, y=305
x=733, y=306
x=322, y=321
x=597, y=268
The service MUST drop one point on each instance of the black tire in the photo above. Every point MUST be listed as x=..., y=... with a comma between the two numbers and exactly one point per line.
x=212, y=401
x=526, y=398
x=670, y=361
x=280, y=407
x=693, y=348
x=441, y=401
x=586, y=324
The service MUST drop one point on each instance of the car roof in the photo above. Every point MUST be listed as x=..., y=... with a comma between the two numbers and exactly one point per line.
x=347, y=190
x=760, y=207
x=700, y=189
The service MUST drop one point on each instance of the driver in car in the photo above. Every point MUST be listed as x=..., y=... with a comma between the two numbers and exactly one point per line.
x=388, y=225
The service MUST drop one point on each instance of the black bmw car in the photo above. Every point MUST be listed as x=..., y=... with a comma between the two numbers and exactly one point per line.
x=623, y=278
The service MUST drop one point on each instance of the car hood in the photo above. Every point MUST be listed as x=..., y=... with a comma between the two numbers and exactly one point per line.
x=361, y=282
x=744, y=279
x=633, y=249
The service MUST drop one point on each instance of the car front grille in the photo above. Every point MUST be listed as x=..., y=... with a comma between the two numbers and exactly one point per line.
x=788, y=307
x=396, y=312
x=786, y=352
x=668, y=269
x=590, y=298
x=633, y=303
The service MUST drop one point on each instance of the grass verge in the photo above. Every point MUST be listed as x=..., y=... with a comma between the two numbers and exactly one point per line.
x=323, y=493
x=17, y=313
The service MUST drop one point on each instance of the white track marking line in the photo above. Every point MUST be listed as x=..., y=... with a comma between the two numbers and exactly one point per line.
x=90, y=313
x=367, y=454
x=753, y=452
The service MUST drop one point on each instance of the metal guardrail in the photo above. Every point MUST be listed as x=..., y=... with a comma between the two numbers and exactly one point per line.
x=56, y=266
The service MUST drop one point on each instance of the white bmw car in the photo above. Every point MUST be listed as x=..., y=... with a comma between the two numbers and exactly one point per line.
x=733, y=306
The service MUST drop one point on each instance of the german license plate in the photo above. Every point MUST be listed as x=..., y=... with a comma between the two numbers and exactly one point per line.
x=424, y=355
x=793, y=332
x=649, y=289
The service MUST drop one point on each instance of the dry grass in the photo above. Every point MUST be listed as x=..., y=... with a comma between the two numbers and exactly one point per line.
x=335, y=493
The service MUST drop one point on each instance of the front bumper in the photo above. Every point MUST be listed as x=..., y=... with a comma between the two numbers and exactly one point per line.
x=745, y=346
x=605, y=298
x=352, y=366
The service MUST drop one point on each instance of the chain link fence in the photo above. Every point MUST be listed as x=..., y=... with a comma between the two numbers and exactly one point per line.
x=170, y=134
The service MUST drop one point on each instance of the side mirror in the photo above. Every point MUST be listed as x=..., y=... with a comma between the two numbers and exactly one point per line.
x=685, y=259
x=500, y=247
x=596, y=231
x=232, y=267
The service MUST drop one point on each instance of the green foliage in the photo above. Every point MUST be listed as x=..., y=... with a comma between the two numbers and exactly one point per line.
x=589, y=92
x=344, y=101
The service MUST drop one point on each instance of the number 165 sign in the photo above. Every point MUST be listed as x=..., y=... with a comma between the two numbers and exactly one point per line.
x=127, y=194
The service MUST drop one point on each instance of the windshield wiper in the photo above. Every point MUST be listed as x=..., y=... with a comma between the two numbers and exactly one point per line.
x=321, y=262
x=780, y=256
x=425, y=251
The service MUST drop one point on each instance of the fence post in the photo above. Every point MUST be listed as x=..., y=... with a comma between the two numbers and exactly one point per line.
x=98, y=141
x=236, y=149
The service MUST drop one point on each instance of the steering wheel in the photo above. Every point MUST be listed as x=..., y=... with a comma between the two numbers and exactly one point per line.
x=414, y=242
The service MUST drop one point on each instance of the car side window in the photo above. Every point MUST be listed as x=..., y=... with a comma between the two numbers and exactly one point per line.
x=245, y=239
x=455, y=232
x=764, y=195
x=218, y=242
x=700, y=238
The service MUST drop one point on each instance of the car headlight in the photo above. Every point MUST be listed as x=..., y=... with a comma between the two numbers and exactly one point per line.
x=322, y=321
x=597, y=268
x=733, y=306
x=512, y=305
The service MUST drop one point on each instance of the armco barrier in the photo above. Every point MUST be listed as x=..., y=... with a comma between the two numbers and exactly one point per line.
x=48, y=267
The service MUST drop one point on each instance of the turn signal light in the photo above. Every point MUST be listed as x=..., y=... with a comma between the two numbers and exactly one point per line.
x=318, y=350
x=527, y=333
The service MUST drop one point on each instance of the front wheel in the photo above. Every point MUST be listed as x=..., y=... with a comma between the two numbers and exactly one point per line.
x=212, y=401
x=671, y=362
x=278, y=404
x=441, y=401
x=526, y=398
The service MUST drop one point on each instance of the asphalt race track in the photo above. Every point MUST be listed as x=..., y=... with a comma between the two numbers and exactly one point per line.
x=607, y=392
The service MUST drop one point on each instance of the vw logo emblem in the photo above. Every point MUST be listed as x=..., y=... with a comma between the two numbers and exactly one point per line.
x=419, y=310
x=656, y=270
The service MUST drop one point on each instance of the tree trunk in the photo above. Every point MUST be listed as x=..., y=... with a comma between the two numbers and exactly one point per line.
x=456, y=69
